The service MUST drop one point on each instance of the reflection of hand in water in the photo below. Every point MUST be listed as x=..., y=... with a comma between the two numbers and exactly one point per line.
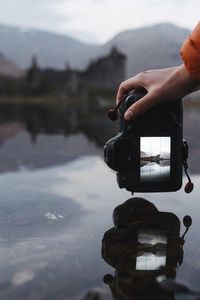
x=143, y=245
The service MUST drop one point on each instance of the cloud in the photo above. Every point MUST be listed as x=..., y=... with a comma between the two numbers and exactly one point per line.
x=108, y=17
x=30, y=13
x=87, y=19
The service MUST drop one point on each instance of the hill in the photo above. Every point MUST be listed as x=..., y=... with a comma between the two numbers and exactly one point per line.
x=146, y=48
x=52, y=50
x=151, y=47
x=8, y=68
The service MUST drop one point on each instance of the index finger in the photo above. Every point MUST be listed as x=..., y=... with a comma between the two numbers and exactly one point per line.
x=126, y=86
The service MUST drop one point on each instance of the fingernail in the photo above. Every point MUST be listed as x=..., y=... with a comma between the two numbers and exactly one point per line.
x=129, y=115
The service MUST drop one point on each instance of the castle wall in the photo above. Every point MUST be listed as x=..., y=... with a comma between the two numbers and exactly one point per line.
x=106, y=72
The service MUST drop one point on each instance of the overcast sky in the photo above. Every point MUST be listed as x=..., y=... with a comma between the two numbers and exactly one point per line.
x=155, y=145
x=97, y=20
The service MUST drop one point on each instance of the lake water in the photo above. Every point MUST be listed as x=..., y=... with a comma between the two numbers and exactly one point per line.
x=56, y=204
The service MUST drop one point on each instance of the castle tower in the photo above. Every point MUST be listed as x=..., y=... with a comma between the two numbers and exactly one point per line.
x=33, y=70
x=106, y=72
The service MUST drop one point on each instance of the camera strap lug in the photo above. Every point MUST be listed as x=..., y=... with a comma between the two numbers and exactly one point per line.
x=189, y=185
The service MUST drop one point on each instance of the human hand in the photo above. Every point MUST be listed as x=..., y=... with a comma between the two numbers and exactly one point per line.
x=162, y=85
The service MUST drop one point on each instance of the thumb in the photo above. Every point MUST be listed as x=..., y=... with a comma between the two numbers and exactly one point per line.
x=141, y=106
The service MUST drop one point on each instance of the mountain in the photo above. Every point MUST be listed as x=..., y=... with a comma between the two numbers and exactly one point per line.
x=8, y=68
x=52, y=50
x=151, y=47
x=146, y=48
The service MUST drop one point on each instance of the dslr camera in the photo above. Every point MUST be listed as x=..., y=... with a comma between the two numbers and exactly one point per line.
x=148, y=153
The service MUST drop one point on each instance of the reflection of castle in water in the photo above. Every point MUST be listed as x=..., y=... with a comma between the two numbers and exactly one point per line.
x=163, y=160
x=39, y=118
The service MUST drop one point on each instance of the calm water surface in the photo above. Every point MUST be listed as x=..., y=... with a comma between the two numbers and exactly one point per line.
x=56, y=203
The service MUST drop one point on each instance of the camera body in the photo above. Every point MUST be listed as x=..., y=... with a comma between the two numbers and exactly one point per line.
x=137, y=223
x=144, y=244
x=147, y=153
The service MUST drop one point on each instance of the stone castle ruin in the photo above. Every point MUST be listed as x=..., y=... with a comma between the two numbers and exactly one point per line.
x=104, y=73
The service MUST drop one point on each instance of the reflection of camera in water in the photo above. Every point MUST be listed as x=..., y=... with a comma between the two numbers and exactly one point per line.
x=148, y=152
x=143, y=244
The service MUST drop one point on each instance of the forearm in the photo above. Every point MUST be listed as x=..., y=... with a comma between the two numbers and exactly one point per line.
x=185, y=81
x=190, y=53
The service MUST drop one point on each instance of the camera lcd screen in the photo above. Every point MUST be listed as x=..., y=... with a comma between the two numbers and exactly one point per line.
x=151, y=252
x=155, y=155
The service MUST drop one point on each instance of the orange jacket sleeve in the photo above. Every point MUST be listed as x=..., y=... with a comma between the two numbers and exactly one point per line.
x=190, y=53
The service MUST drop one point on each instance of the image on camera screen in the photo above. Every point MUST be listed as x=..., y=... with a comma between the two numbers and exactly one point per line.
x=151, y=250
x=155, y=155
